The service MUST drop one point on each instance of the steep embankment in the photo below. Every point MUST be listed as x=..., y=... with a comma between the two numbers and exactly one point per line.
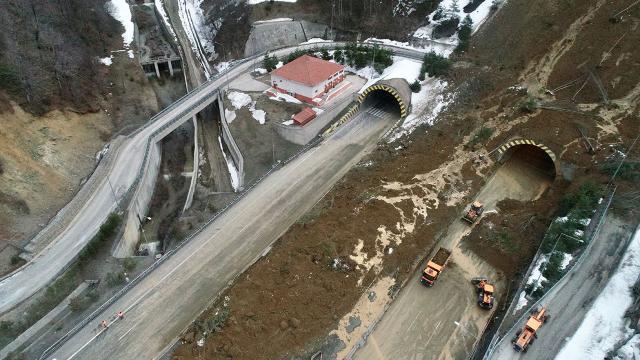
x=66, y=84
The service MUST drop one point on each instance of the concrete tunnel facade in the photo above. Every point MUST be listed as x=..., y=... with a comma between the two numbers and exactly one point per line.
x=399, y=89
x=533, y=152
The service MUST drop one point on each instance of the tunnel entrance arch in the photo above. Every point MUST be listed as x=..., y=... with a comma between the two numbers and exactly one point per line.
x=395, y=91
x=532, y=153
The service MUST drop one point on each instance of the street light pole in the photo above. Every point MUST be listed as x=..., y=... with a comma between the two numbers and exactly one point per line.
x=114, y=194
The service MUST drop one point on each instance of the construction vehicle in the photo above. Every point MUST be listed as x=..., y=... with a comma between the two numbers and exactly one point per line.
x=435, y=267
x=475, y=211
x=524, y=338
x=485, y=292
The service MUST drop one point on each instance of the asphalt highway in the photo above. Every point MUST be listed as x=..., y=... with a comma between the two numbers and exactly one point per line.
x=164, y=303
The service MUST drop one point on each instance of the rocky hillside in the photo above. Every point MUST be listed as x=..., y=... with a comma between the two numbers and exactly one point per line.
x=48, y=55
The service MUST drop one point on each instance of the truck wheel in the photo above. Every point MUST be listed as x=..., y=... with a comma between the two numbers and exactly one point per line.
x=518, y=332
x=546, y=318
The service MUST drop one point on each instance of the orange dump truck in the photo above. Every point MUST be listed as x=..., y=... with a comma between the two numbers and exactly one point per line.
x=525, y=337
x=435, y=267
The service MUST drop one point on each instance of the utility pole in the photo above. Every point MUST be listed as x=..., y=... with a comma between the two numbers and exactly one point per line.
x=226, y=70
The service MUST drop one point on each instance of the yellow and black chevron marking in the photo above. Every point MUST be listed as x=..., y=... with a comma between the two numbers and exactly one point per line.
x=502, y=149
x=346, y=117
x=390, y=90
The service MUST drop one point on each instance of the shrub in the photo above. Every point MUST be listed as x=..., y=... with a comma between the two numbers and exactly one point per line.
x=325, y=55
x=529, y=106
x=9, y=79
x=416, y=86
x=129, y=264
x=338, y=56
x=115, y=279
x=464, y=34
x=106, y=232
x=16, y=259
x=269, y=62
x=435, y=65
x=481, y=136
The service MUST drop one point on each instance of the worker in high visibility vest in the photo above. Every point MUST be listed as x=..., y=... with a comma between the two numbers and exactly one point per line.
x=120, y=315
x=104, y=324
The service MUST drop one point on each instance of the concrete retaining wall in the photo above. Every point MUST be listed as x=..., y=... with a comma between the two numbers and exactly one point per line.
x=265, y=36
x=196, y=166
x=236, y=155
x=302, y=135
x=139, y=205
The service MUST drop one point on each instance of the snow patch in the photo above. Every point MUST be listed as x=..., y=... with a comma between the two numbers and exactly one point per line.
x=272, y=20
x=120, y=11
x=106, y=60
x=536, y=275
x=283, y=97
x=288, y=122
x=604, y=324
x=238, y=99
x=522, y=302
x=565, y=261
x=233, y=171
x=314, y=41
x=254, y=2
x=261, y=71
x=229, y=115
x=259, y=115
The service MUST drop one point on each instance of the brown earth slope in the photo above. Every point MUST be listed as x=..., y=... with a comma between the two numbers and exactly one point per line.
x=294, y=296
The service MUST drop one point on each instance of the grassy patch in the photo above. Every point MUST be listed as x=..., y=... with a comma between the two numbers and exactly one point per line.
x=480, y=137
x=60, y=288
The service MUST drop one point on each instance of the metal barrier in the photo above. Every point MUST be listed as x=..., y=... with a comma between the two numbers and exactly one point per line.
x=497, y=339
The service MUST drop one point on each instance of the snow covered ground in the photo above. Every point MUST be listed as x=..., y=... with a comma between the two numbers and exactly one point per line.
x=165, y=18
x=478, y=16
x=198, y=31
x=120, y=11
x=604, y=325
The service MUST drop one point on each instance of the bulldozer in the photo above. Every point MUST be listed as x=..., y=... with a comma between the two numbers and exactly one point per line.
x=524, y=338
x=475, y=211
x=485, y=292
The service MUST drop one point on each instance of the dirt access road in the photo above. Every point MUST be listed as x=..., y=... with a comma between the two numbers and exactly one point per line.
x=204, y=266
x=444, y=322
x=575, y=292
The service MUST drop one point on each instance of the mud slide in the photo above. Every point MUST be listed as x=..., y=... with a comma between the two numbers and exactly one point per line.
x=444, y=322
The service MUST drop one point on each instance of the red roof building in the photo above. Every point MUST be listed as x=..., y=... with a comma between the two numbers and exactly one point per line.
x=304, y=116
x=307, y=78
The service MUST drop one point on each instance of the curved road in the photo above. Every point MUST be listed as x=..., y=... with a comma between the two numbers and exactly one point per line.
x=164, y=303
x=52, y=260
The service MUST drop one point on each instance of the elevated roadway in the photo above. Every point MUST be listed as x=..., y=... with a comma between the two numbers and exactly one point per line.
x=124, y=174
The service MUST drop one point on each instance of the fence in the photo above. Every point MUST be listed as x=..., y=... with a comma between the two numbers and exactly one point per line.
x=497, y=338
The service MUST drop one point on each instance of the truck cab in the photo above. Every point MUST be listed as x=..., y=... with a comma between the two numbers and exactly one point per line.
x=430, y=273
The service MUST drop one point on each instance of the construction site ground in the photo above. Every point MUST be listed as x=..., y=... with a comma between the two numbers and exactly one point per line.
x=375, y=227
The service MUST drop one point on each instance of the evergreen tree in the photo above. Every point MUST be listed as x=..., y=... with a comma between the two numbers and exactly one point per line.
x=464, y=34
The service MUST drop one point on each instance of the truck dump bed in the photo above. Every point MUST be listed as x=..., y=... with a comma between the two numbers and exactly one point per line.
x=441, y=256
